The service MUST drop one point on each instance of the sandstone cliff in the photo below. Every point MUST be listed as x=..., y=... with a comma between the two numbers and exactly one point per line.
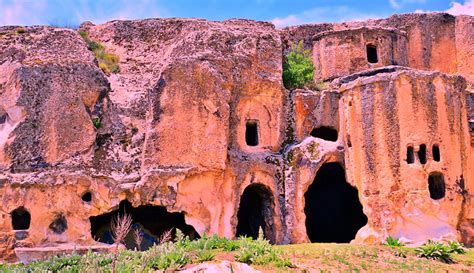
x=196, y=131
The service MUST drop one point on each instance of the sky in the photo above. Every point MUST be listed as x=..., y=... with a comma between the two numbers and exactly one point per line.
x=282, y=13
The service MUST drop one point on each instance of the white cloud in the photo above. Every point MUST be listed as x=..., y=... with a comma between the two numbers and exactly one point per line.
x=322, y=14
x=21, y=13
x=397, y=4
x=457, y=8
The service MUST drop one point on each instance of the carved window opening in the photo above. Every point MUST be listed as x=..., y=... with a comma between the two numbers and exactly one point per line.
x=326, y=133
x=150, y=221
x=87, y=197
x=410, y=155
x=332, y=207
x=372, y=54
x=59, y=224
x=436, y=153
x=20, y=219
x=251, y=133
x=436, y=186
x=422, y=154
x=256, y=212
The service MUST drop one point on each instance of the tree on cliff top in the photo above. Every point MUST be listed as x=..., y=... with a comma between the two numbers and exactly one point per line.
x=298, y=69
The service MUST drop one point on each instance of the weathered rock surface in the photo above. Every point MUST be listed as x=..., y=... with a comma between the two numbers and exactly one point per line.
x=197, y=127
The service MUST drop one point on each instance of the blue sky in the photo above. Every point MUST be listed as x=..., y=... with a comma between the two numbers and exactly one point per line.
x=282, y=13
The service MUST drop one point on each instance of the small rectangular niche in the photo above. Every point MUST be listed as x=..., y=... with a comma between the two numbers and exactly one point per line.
x=436, y=153
x=410, y=155
x=372, y=54
x=422, y=154
x=251, y=133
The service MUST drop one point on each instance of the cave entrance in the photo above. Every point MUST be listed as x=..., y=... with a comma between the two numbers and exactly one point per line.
x=436, y=186
x=255, y=212
x=372, y=54
x=251, y=133
x=21, y=219
x=326, y=133
x=333, y=211
x=151, y=221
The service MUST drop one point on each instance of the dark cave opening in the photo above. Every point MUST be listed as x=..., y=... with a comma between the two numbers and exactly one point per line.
x=332, y=207
x=255, y=212
x=87, y=197
x=324, y=132
x=436, y=153
x=251, y=133
x=20, y=219
x=151, y=221
x=372, y=56
x=436, y=186
x=422, y=154
x=410, y=155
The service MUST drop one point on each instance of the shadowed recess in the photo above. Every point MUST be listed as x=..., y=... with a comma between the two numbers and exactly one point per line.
x=410, y=155
x=332, y=207
x=436, y=153
x=326, y=133
x=422, y=154
x=151, y=221
x=255, y=212
x=20, y=219
x=59, y=225
x=251, y=133
x=372, y=54
x=436, y=186
x=87, y=197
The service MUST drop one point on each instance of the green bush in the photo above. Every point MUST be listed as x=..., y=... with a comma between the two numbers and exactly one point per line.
x=435, y=251
x=394, y=242
x=108, y=62
x=298, y=69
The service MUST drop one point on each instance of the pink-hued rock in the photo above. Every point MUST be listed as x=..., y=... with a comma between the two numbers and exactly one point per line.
x=198, y=125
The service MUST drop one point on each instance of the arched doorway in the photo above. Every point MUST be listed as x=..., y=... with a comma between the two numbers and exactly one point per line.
x=20, y=219
x=255, y=212
x=332, y=207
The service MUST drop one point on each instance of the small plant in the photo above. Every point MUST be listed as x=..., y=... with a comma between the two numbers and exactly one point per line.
x=298, y=69
x=138, y=238
x=456, y=247
x=205, y=256
x=97, y=123
x=434, y=251
x=393, y=242
x=20, y=30
x=120, y=226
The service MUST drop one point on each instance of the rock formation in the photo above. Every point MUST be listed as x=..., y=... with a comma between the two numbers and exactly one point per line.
x=196, y=132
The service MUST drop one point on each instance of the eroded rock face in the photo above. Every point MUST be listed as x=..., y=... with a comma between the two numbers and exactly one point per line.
x=197, y=120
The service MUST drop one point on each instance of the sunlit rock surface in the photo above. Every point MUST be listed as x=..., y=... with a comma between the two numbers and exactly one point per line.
x=198, y=126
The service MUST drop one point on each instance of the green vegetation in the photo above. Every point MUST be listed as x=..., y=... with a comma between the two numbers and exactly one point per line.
x=298, y=69
x=108, y=62
x=165, y=256
x=439, y=251
x=394, y=242
x=170, y=256
x=97, y=123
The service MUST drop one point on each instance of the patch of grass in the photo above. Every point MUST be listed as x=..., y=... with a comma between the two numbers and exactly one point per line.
x=108, y=62
x=20, y=30
x=298, y=68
